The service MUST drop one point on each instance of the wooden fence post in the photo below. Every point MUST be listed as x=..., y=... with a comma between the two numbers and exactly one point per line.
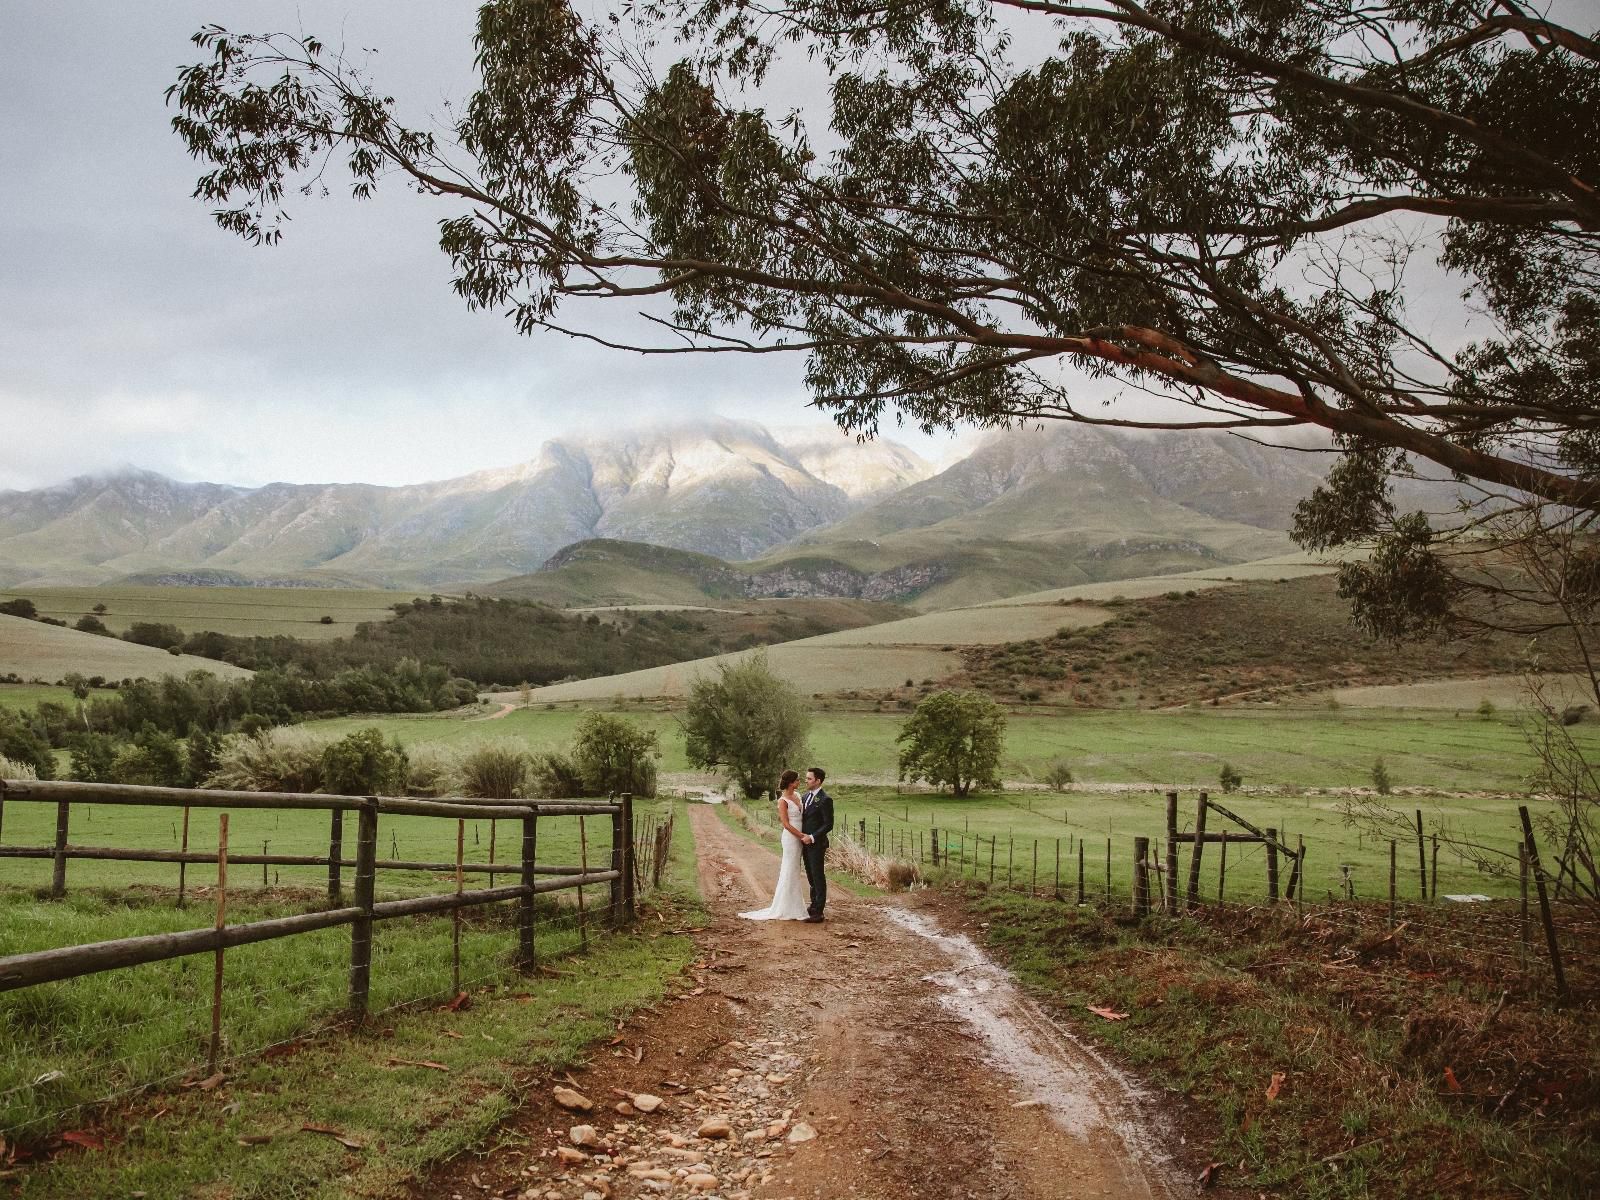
x=1394, y=850
x=1522, y=871
x=222, y=916
x=494, y=829
x=1433, y=875
x=1080, y=873
x=455, y=913
x=335, y=851
x=1222, y=867
x=583, y=863
x=361, y=928
x=1193, y=894
x=992, y=842
x=1544, y=900
x=1141, y=877
x=58, y=877
x=614, y=890
x=1299, y=874
x=183, y=848
x=1170, y=888
x=935, y=844
x=526, y=954
x=1422, y=860
x=1272, y=865
x=629, y=908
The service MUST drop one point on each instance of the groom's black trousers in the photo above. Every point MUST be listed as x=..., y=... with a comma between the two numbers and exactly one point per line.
x=812, y=856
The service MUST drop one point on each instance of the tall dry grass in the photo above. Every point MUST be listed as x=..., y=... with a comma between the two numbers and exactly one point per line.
x=282, y=759
x=15, y=770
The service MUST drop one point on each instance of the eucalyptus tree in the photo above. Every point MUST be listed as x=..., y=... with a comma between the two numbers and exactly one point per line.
x=1378, y=219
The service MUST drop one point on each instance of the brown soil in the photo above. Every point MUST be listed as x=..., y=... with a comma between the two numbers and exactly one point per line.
x=922, y=1070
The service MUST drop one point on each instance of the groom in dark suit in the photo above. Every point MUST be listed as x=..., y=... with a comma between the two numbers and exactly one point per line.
x=816, y=821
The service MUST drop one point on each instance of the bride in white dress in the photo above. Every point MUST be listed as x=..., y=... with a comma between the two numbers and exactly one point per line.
x=792, y=896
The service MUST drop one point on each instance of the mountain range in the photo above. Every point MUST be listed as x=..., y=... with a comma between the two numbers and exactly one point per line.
x=726, y=488
x=708, y=510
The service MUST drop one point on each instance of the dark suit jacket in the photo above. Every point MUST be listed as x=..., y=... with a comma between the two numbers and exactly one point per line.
x=817, y=817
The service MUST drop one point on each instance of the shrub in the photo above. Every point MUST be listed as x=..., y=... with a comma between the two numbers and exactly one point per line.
x=1230, y=779
x=1381, y=783
x=153, y=759
x=430, y=770
x=91, y=624
x=282, y=759
x=496, y=770
x=16, y=770
x=615, y=755
x=154, y=633
x=20, y=607
x=746, y=722
x=554, y=776
x=1486, y=709
x=1058, y=776
x=363, y=764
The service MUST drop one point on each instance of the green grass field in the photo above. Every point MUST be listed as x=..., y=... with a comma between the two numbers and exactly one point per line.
x=26, y=695
x=109, y=1034
x=241, y=611
x=1299, y=766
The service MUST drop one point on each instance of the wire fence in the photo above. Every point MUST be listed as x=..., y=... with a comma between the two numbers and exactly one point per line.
x=73, y=1045
x=1436, y=902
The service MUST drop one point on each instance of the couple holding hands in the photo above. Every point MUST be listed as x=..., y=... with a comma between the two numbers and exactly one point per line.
x=806, y=819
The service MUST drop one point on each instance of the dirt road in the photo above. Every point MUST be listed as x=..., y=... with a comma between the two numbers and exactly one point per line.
x=872, y=1056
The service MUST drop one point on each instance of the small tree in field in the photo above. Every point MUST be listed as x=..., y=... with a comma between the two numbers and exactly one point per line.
x=747, y=723
x=615, y=755
x=954, y=738
x=363, y=764
x=1230, y=779
x=1381, y=783
x=1059, y=776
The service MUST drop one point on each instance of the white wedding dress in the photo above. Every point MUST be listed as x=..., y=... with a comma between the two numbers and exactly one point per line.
x=792, y=896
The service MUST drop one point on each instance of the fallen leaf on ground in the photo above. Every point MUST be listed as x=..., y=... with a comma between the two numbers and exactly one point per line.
x=1209, y=1175
x=461, y=1001
x=1276, y=1085
x=78, y=1137
x=349, y=1143
x=206, y=1084
x=1108, y=1014
x=1451, y=1082
x=255, y=1139
x=451, y=1033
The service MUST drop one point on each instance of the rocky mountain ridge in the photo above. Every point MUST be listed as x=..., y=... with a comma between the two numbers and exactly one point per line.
x=727, y=488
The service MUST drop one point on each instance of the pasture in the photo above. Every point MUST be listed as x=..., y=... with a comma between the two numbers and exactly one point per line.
x=36, y=651
x=238, y=611
x=1301, y=767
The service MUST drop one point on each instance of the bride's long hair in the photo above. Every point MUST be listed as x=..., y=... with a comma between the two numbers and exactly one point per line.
x=787, y=780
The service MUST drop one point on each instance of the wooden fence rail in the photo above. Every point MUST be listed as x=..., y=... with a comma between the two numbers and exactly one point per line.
x=67, y=962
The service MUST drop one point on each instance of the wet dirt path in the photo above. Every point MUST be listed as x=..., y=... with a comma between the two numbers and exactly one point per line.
x=872, y=1056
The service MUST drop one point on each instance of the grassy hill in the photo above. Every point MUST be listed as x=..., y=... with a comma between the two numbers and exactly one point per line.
x=238, y=611
x=33, y=650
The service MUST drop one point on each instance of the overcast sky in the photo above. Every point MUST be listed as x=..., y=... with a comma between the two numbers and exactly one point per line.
x=137, y=332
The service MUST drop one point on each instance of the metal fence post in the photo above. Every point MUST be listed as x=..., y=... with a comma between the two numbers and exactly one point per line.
x=361, y=930
x=1141, y=877
x=1544, y=900
x=614, y=902
x=1192, y=897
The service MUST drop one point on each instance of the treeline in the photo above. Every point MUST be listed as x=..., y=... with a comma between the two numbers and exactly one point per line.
x=132, y=734
x=490, y=641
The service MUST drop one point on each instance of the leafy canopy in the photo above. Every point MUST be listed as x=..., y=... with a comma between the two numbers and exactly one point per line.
x=954, y=739
x=1380, y=219
x=746, y=722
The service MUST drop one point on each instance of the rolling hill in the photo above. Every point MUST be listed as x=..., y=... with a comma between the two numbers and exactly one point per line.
x=32, y=650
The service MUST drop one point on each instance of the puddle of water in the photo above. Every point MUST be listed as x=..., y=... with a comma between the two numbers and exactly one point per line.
x=1086, y=1096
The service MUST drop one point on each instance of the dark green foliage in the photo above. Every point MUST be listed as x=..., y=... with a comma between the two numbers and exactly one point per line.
x=154, y=633
x=20, y=607
x=614, y=755
x=1381, y=782
x=497, y=770
x=94, y=756
x=1059, y=776
x=363, y=764
x=91, y=624
x=748, y=723
x=477, y=641
x=154, y=759
x=954, y=738
x=1229, y=778
x=555, y=776
x=22, y=743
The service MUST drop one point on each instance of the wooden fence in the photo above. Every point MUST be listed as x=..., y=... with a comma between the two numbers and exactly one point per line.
x=620, y=875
